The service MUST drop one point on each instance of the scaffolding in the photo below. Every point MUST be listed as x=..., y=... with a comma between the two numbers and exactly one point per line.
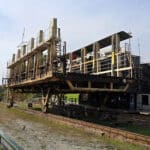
x=42, y=65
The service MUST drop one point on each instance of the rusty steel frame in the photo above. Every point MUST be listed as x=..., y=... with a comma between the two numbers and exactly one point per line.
x=35, y=71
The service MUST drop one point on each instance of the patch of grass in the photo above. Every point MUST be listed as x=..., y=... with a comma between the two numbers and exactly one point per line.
x=72, y=97
x=145, y=130
x=35, y=106
x=138, y=129
x=22, y=104
x=129, y=127
x=68, y=130
x=123, y=145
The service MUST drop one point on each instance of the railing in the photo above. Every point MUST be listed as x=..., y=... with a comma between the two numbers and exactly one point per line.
x=7, y=143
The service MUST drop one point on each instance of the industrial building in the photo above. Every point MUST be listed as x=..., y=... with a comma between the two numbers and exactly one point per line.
x=104, y=72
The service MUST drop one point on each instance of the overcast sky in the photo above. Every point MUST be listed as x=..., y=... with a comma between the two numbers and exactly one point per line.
x=81, y=22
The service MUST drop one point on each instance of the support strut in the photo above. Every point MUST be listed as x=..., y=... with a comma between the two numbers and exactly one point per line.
x=45, y=100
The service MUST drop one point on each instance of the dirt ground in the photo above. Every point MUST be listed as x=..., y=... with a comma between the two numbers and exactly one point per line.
x=38, y=136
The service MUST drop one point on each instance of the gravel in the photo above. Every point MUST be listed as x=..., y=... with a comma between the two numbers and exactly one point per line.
x=37, y=136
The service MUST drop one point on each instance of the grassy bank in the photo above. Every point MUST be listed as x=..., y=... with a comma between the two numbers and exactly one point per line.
x=140, y=129
x=68, y=130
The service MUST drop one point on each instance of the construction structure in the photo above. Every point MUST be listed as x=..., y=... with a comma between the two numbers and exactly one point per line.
x=105, y=66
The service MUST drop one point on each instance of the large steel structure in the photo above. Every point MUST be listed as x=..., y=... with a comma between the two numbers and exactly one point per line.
x=43, y=65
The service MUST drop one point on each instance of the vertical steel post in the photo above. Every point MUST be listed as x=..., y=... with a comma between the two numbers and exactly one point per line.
x=13, y=58
x=83, y=60
x=31, y=44
x=113, y=55
x=64, y=58
x=40, y=36
x=70, y=61
x=117, y=53
x=96, y=48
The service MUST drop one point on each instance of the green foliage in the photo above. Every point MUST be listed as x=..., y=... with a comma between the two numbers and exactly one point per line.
x=72, y=97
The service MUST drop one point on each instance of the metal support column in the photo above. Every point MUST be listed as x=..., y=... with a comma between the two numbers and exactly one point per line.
x=113, y=55
x=96, y=48
x=117, y=50
x=83, y=53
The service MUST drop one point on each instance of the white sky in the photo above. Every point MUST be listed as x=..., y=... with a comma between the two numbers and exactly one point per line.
x=81, y=22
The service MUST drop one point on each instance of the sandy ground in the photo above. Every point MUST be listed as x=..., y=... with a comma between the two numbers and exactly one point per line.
x=37, y=136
